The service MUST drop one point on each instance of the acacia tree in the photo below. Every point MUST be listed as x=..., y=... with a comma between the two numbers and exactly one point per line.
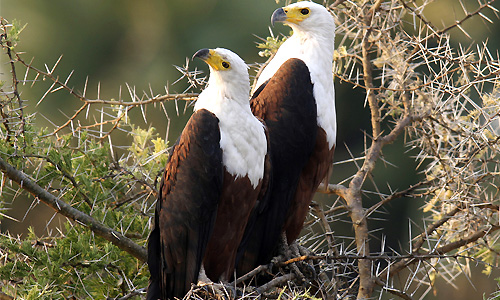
x=442, y=100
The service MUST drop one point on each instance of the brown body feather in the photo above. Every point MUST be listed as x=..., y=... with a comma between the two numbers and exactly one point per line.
x=316, y=170
x=236, y=203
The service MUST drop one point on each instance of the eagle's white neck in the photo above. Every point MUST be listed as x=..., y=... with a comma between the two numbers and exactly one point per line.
x=243, y=140
x=316, y=50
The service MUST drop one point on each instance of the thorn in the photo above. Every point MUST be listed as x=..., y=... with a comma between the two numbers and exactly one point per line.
x=44, y=95
x=69, y=76
x=485, y=17
x=85, y=87
x=55, y=65
x=463, y=7
x=57, y=89
x=463, y=30
x=111, y=148
x=34, y=80
x=87, y=112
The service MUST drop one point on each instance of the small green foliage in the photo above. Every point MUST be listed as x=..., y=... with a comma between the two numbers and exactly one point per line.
x=13, y=33
x=489, y=256
x=74, y=265
x=339, y=55
x=79, y=168
x=150, y=151
x=495, y=295
x=270, y=45
x=292, y=294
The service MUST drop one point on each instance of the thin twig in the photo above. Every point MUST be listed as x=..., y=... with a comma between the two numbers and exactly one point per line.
x=326, y=227
x=250, y=275
x=393, y=196
x=438, y=252
x=276, y=282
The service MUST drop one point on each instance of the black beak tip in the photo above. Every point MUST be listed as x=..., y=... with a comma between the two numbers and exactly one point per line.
x=201, y=54
x=279, y=15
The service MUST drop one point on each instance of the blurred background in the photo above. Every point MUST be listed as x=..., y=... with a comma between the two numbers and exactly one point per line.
x=139, y=42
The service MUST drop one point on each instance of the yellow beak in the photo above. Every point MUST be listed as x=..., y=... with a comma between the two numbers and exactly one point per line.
x=211, y=57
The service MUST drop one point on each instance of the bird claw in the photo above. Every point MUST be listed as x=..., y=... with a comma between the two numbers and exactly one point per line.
x=303, y=250
x=302, y=267
x=276, y=260
x=294, y=248
x=288, y=252
x=295, y=269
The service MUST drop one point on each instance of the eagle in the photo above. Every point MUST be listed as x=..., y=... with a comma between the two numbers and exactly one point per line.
x=215, y=175
x=295, y=98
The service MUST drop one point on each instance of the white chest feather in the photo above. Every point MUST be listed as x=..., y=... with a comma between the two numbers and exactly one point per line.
x=243, y=140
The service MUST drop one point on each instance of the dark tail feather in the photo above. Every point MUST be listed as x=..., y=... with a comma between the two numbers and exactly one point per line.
x=153, y=290
x=154, y=264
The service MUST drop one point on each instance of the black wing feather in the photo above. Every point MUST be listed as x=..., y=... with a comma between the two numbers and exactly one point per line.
x=186, y=208
x=287, y=106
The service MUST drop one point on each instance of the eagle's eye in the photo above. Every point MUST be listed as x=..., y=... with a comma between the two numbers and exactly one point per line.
x=304, y=11
x=225, y=64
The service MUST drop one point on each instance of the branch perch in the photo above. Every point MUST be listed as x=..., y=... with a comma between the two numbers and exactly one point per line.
x=68, y=211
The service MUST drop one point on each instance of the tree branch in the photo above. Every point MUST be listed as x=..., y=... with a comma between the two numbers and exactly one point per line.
x=397, y=267
x=64, y=174
x=15, y=81
x=169, y=97
x=326, y=227
x=336, y=189
x=394, y=196
x=68, y=211
x=278, y=281
x=421, y=238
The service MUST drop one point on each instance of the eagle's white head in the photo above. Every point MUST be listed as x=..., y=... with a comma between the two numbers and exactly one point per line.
x=306, y=19
x=228, y=75
x=312, y=41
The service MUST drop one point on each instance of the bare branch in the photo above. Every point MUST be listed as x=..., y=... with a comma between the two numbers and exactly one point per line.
x=397, y=267
x=393, y=196
x=335, y=189
x=276, y=282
